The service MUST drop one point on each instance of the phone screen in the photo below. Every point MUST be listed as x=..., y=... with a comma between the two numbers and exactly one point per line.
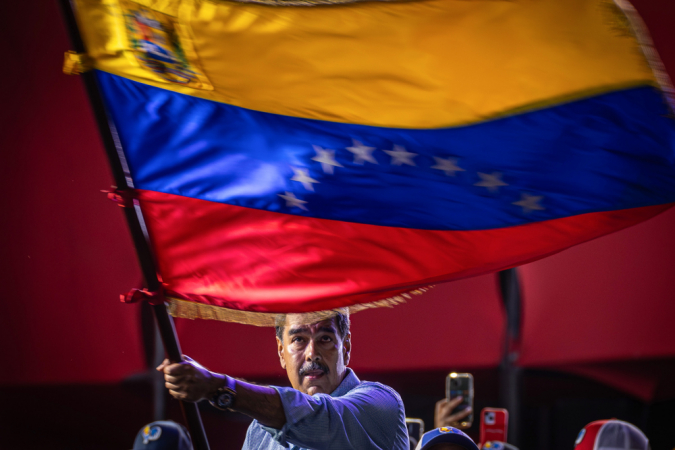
x=461, y=384
x=415, y=431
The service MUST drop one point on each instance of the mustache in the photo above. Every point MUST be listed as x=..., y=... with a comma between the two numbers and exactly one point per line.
x=311, y=367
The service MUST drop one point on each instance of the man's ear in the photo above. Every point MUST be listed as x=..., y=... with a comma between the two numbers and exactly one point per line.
x=280, y=351
x=347, y=348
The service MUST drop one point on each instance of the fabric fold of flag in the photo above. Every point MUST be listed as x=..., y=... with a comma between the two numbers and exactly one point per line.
x=302, y=159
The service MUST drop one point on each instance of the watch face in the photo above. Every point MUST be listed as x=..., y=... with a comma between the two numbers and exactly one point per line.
x=225, y=400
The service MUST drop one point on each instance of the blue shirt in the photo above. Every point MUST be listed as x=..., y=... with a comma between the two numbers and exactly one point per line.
x=358, y=415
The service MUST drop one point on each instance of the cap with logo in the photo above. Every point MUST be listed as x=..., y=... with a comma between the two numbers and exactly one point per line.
x=163, y=435
x=498, y=445
x=446, y=434
x=611, y=434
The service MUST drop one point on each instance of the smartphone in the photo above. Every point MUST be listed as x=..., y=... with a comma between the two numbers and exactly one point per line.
x=457, y=384
x=415, y=431
x=494, y=424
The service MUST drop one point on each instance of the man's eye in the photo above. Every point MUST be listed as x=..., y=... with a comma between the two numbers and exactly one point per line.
x=296, y=339
x=326, y=338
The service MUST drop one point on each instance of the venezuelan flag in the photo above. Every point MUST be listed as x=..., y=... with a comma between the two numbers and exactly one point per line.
x=304, y=158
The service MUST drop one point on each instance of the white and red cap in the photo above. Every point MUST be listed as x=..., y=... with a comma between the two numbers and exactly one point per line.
x=611, y=434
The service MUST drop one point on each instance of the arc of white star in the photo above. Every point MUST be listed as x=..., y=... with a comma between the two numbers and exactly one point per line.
x=293, y=201
x=301, y=176
x=400, y=156
x=491, y=181
x=327, y=159
x=449, y=166
x=362, y=153
x=529, y=202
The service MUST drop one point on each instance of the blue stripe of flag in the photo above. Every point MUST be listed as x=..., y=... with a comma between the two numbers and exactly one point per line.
x=608, y=152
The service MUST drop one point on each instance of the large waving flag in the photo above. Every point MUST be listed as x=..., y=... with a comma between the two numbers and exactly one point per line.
x=303, y=158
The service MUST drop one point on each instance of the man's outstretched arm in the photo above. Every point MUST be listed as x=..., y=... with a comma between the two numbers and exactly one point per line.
x=369, y=417
x=191, y=382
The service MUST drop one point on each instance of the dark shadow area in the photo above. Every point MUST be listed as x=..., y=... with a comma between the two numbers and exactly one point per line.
x=555, y=407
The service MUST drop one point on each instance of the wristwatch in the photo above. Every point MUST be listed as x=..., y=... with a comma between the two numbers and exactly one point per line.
x=224, y=397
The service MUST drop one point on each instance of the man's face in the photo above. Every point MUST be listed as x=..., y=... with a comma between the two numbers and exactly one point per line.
x=315, y=356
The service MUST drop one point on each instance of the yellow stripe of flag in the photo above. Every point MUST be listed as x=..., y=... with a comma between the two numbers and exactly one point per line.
x=422, y=64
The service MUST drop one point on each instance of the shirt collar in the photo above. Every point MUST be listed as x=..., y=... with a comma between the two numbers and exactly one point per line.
x=349, y=382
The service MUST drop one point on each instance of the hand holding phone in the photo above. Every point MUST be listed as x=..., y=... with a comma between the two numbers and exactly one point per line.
x=459, y=400
x=445, y=414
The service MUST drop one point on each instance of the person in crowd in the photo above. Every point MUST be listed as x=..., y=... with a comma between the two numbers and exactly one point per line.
x=445, y=415
x=611, y=434
x=328, y=407
x=446, y=438
x=163, y=435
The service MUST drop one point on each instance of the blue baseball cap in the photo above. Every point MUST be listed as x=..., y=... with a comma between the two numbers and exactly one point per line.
x=163, y=435
x=446, y=434
x=498, y=445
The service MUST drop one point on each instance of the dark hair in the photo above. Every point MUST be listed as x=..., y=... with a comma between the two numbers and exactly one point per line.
x=341, y=321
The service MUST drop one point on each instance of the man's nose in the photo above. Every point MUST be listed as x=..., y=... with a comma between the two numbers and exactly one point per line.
x=311, y=352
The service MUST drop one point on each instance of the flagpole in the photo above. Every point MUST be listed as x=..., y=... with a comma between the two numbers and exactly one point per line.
x=135, y=221
x=510, y=375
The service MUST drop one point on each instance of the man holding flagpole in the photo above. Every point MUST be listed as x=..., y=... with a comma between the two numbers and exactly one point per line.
x=328, y=407
x=287, y=157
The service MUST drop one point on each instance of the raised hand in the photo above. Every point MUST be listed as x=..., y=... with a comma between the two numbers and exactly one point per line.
x=189, y=380
x=443, y=414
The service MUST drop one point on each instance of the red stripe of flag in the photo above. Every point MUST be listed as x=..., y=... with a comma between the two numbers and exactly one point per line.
x=256, y=260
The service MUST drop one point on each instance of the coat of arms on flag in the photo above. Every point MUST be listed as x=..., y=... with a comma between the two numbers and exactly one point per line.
x=157, y=44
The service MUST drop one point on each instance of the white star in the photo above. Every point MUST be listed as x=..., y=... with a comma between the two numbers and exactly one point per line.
x=293, y=201
x=362, y=153
x=529, y=203
x=303, y=177
x=327, y=159
x=400, y=156
x=491, y=181
x=449, y=166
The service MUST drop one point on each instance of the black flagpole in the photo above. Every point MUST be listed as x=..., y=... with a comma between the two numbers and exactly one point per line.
x=135, y=221
x=511, y=376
